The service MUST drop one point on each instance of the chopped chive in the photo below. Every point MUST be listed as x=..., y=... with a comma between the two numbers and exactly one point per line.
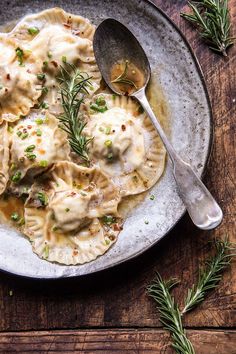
x=108, y=130
x=64, y=59
x=108, y=219
x=24, y=136
x=44, y=90
x=67, y=209
x=44, y=105
x=110, y=156
x=49, y=54
x=39, y=121
x=108, y=143
x=97, y=108
x=15, y=216
x=20, y=55
x=19, y=133
x=42, y=197
x=41, y=76
x=43, y=163
x=10, y=129
x=101, y=129
x=1, y=87
x=46, y=251
x=152, y=197
x=16, y=177
x=55, y=228
x=30, y=148
x=100, y=101
x=33, y=31
x=30, y=156
x=146, y=222
x=45, y=63
x=38, y=132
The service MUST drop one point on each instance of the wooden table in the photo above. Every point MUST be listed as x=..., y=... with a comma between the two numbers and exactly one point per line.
x=110, y=312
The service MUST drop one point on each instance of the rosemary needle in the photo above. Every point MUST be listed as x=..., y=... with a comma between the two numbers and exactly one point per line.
x=212, y=19
x=74, y=86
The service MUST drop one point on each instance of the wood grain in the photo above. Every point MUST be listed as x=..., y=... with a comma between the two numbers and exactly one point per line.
x=117, y=298
x=113, y=341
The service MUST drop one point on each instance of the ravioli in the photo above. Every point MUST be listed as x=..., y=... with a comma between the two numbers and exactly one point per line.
x=20, y=86
x=4, y=157
x=57, y=37
x=125, y=144
x=36, y=143
x=64, y=214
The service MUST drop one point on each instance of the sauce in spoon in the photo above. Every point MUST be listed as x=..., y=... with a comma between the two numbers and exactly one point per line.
x=126, y=77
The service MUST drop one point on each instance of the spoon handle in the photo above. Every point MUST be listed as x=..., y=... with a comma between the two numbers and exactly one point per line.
x=200, y=204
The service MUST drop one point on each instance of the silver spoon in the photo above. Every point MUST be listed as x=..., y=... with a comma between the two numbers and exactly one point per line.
x=113, y=43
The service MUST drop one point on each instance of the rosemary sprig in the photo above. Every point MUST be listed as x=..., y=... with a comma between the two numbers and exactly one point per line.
x=74, y=86
x=212, y=19
x=170, y=315
x=122, y=79
x=209, y=277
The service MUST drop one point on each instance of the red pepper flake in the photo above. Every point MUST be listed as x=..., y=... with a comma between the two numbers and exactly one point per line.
x=54, y=63
x=39, y=141
x=66, y=25
x=8, y=77
x=123, y=127
x=73, y=193
x=75, y=253
x=24, y=130
x=29, y=126
x=28, y=71
x=76, y=33
x=117, y=227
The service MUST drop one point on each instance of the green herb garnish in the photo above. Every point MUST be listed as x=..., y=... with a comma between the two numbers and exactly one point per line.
x=43, y=163
x=41, y=76
x=97, y=108
x=15, y=216
x=38, y=132
x=46, y=251
x=108, y=219
x=212, y=19
x=20, y=56
x=33, y=31
x=16, y=177
x=43, y=198
x=30, y=156
x=23, y=136
x=30, y=148
x=108, y=143
x=39, y=121
x=74, y=86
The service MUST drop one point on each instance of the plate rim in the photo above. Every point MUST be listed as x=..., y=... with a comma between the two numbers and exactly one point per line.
x=208, y=155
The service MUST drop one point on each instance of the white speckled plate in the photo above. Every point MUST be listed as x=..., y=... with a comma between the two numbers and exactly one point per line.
x=191, y=132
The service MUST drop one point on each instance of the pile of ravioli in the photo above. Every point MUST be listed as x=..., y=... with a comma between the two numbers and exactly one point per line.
x=71, y=212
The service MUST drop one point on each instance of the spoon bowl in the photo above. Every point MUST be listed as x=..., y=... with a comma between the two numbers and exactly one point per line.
x=113, y=43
